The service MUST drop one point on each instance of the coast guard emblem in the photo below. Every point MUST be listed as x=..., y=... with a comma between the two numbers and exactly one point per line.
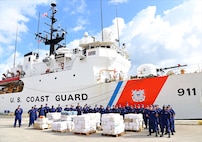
x=138, y=95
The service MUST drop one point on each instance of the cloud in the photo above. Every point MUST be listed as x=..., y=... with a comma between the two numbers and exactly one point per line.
x=165, y=40
x=79, y=6
x=117, y=1
x=14, y=18
x=80, y=24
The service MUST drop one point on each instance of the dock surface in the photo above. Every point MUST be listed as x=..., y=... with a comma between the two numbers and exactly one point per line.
x=185, y=132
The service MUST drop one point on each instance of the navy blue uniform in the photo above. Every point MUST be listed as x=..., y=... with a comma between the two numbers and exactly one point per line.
x=66, y=108
x=108, y=110
x=31, y=113
x=52, y=109
x=164, y=117
x=96, y=109
x=85, y=109
x=79, y=110
x=152, y=115
x=18, y=116
x=172, y=119
x=123, y=111
x=41, y=111
x=46, y=109
x=101, y=110
x=145, y=117
x=59, y=109
x=35, y=112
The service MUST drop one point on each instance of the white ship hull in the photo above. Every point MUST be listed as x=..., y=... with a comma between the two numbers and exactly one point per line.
x=182, y=92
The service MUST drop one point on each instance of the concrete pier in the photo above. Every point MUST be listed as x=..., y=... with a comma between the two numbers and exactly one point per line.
x=186, y=131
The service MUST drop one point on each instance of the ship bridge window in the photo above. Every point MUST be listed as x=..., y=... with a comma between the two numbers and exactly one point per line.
x=75, y=51
x=105, y=46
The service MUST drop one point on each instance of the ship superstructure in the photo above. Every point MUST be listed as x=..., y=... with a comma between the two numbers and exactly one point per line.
x=95, y=73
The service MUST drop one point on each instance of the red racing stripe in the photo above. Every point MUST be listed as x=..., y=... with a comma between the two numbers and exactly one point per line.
x=141, y=91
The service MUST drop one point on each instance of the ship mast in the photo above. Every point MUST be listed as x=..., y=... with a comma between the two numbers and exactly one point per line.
x=52, y=40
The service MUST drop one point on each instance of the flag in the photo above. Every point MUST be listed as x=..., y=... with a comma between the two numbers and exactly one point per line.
x=45, y=14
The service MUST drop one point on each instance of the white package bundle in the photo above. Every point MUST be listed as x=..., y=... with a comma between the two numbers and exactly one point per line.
x=84, y=124
x=54, y=116
x=133, y=122
x=70, y=125
x=112, y=124
x=55, y=126
x=66, y=118
x=40, y=124
x=43, y=120
x=62, y=126
x=94, y=120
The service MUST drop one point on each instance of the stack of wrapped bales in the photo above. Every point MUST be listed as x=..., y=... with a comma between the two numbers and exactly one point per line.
x=133, y=122
x=62, y=126
x=41, y=123
x=112, y=124
x=95, y=119
x=54, y=116
x=65, y=123
x=84, y=124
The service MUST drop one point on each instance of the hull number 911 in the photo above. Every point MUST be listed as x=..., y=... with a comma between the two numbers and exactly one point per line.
x=187, y=91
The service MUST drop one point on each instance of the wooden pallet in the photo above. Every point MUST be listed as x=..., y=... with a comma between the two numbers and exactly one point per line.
x=134, y=130
x=41, y=128
x=87, y=133
x=63, y=131
x=114, y=135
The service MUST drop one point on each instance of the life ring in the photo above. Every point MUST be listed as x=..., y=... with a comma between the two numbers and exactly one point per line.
x=62, y=65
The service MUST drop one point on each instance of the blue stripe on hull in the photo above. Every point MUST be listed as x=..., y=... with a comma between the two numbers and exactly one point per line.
x=115, y=93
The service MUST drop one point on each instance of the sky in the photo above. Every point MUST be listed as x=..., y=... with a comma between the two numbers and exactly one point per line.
x=160, y=32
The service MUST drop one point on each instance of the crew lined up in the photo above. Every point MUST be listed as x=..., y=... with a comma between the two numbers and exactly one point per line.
x=155, y=118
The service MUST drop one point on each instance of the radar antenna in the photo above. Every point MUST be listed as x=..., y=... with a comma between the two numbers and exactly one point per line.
x=50, y=38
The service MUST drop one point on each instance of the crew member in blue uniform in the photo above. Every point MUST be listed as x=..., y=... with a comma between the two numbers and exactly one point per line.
x=128, y=108
x=145, y=116
x=116, y=109
x=41, y=111
x=172, y=119
x=124, y=111
x=152, y=116
x=46, y=109
x=52, y=109
x=31, y=113
x=85, y=109
x=59, y=108
x=36, y=110
x=18, y=116
x=138, y=109
x=158, y=109
x=108, y=110
x=79, y=109
x=164, y=118
x=96, y=109
x=90, y=109
x=101, y=110
x=66, y=108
